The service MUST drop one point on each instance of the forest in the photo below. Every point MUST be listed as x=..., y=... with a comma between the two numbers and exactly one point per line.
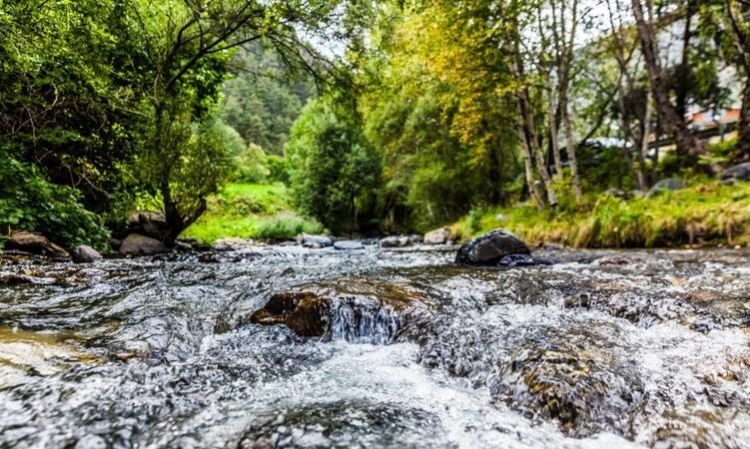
x=609, y=123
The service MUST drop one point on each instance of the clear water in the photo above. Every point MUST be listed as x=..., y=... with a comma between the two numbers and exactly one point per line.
x=602, y=350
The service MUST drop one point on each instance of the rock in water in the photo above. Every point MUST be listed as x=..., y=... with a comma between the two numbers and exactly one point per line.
x=394, y=242
x=85, y=254
x=306, y=313
x=739, y=172
x=666, y=184
x=35, y=243
x=348, y=245
x=437, y=237
x=493, y=248
x=140, y=245
x=314, y=241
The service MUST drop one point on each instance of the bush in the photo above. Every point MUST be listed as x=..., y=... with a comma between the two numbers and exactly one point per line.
x=250, y=165
x=279, y=169
x=28, y=201
x=285, y=226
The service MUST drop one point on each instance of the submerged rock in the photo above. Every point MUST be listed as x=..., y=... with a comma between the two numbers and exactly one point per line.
x=575, y=379
x=140, y=245
x=437, y=237
x=306, y=313
x=86, y=254
x=666, y=184
x=354, y=310
x=314, y=241
x=34, y=243
x=498, y=247
x=739, y=172
x=348, y=245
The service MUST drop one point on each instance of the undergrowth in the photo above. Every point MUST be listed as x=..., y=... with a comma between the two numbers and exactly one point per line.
x=704, y=213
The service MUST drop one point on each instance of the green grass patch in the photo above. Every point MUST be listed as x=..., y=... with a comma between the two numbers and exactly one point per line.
x=705, y=213
x=251, y=211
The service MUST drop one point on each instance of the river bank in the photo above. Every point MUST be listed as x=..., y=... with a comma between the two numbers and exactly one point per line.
x=703, y=214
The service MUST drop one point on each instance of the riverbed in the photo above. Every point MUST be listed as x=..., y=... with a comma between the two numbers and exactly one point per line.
x=603, y=349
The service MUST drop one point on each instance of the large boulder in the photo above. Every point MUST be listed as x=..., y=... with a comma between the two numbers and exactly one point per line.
x=739, y=172
x=34, y=243
x=85, y=254
x=666, y=184
x=314, y=241
x=437, y=237
x=140, y=245
x=494, y=248
x=151, y=224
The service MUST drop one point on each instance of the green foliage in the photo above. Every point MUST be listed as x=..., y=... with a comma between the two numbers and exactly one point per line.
x=704, y=213
x=251, y=211
x=251, y=165
x=286, y=226
x=264, y=99
x=279, y=169
x=333, y=165
x=28, y=201
x=721, y=153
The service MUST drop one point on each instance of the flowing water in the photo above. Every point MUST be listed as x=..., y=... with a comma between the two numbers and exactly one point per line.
x=601, y=350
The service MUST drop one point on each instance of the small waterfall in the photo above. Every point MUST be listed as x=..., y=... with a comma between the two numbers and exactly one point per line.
x=364, y=320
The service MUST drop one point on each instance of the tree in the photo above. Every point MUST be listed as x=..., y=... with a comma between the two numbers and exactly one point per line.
x=188, y=46
x=738, y=16
x=332, y=164
x=687, y=143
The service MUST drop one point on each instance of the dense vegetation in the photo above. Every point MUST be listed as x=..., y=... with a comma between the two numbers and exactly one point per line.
x=418, y=113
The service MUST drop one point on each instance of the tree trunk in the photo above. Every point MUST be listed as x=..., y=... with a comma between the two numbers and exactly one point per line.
x=553, y=135
x=687, y=143
x=541, y=166
x=571, y=148
x=527, y=159
x=684, y=69
x=743, y=141
x=643, y=150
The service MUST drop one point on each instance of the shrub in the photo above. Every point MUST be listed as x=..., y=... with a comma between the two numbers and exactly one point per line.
x=285, y=226
x=29, y=201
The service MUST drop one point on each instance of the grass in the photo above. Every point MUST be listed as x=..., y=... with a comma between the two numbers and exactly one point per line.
x=251, y=211
x=704, y=214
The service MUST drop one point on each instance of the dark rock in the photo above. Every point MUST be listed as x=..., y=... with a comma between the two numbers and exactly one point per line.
x=437, y=237
x=494, y=248
x=151, y=224
x=395, y=241
x=34, y=243
x=517, y=260
x=352, y=310
x=739, y=172
x=86, y=254
x=140, y=245
x=314, y=241
x=666, y=184
x=303, y=312
x=348, y=245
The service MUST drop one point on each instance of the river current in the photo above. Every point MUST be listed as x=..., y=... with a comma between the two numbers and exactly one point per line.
x=601, y=350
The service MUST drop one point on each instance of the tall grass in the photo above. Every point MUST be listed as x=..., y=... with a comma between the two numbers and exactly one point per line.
x=705, y=213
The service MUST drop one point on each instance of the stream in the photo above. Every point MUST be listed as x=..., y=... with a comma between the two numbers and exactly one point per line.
x=396, y=349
